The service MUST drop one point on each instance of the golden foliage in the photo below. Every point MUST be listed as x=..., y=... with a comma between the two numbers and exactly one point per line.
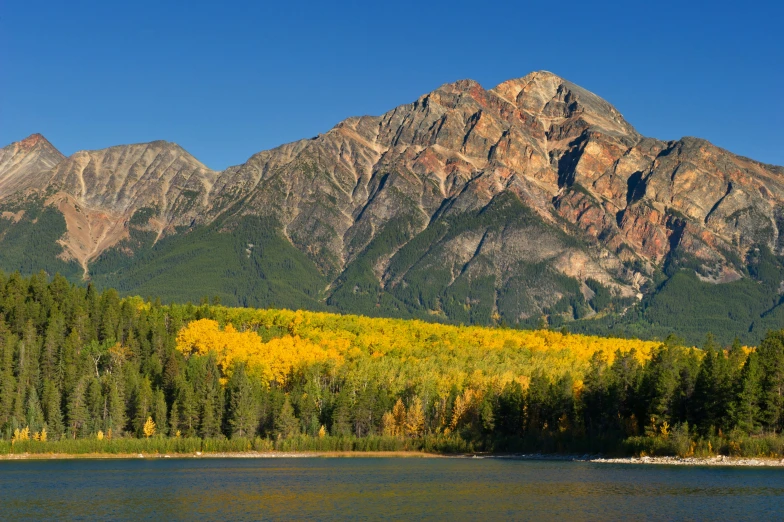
x=21, y=435
x=401, y=354
x=469, y=400
x=149, y=427
x=388, y=425
x=322, y=432
x=415, y=418
x=272, y=361
x=99, y=435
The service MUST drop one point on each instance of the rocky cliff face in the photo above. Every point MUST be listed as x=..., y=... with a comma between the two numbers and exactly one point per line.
x=25, y=164
x=491, y=200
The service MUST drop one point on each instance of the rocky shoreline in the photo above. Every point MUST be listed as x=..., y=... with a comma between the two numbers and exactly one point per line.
x=719, y=460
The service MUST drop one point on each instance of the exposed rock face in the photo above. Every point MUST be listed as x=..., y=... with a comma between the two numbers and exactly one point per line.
x=551, y=175
x=25, y=164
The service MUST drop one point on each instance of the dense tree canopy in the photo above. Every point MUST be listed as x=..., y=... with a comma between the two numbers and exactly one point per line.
x=76, y=363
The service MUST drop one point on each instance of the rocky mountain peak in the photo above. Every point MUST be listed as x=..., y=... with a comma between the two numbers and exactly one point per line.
x=554, y=99
x=24, y=164
x=34, y=140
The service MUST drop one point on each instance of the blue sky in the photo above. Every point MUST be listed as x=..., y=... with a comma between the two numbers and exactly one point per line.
x=228, y=79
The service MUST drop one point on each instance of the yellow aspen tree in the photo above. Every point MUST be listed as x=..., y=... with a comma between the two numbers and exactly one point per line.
x=149, y=428
x=322, y=432
x=99, y=435
x=388, y=425
x=399, y=415
x=415, y=418
x=42, y=436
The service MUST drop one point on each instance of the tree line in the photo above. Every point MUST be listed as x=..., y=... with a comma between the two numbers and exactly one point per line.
x=78, y=363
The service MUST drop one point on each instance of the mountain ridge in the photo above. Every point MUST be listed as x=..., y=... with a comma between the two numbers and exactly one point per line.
x=523, y=200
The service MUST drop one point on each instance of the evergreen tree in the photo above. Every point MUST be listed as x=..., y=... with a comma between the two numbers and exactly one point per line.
x=189, y=410
x=52, y=409
x=510, y=409
x=35, y=415
x=243, y=404
x=174, y=418
x=771, y=361
x=745, y=409
x=116, y=409
x=78, y=415
x=286, y=423
x=7, y=378
x=160, y=412
x=143, y=406
x=96, y=406
x=597, y=411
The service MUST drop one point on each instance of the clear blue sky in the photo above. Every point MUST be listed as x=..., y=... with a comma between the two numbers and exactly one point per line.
x=228, y=79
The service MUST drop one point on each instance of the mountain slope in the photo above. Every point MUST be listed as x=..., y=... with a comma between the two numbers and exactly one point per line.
x=534, y=198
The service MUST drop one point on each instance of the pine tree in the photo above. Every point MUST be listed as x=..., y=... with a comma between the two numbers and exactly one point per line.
x=597, y=412
x=341, y=414
x=160, y=412
x=771, y=360
x=52, y=409
x=745, y=409
x=7, y=378
x=511, y=405
x=174, y=419
x=286, y=423
x=143, y=405
x=78, y=416
x=116, y=409
x=210, y=423
x=189, y=411
x=35, y=415
x=95, y=406
x=243, y=404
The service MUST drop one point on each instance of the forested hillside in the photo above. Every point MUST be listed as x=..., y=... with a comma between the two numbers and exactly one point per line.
x=79, y=364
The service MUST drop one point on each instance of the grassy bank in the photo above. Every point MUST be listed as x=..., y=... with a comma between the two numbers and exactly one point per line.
x=675, y=444
x=163, y=445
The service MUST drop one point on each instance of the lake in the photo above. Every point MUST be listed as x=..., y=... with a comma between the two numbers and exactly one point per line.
x=383, y=488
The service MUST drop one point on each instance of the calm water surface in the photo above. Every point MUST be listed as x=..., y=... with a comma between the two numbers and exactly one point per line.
x=382, y=488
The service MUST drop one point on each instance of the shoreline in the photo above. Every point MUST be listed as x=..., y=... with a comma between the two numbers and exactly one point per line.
x=720, y=460
x=223, y=455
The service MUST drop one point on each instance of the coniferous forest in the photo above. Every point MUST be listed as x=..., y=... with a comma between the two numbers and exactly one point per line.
x=88, y=371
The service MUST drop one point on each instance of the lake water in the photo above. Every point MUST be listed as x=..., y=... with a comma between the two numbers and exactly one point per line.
x=383, y=488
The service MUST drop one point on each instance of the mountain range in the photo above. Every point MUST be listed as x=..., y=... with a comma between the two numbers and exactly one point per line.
x=534, y=201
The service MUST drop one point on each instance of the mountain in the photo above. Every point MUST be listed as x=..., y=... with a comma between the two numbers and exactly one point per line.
x=532, y=199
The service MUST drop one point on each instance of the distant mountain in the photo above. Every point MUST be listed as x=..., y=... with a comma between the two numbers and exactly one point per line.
x=532, y=200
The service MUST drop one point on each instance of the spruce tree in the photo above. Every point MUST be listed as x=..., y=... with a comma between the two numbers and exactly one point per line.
x=243, y=404
x=745, y=409
x=96, y=406
x=143, y=406
x=116, y=409
x=35, y=415
x=160, y=413
x=78, y=415
x=286, y=423
x=189, y=410
x=174, y=418
x=52, y=408
x=771, y=359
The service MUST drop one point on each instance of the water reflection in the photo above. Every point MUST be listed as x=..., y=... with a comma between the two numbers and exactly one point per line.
x=362, y=488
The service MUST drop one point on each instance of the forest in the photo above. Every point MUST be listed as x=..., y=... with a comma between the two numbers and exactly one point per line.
x=83, y=370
